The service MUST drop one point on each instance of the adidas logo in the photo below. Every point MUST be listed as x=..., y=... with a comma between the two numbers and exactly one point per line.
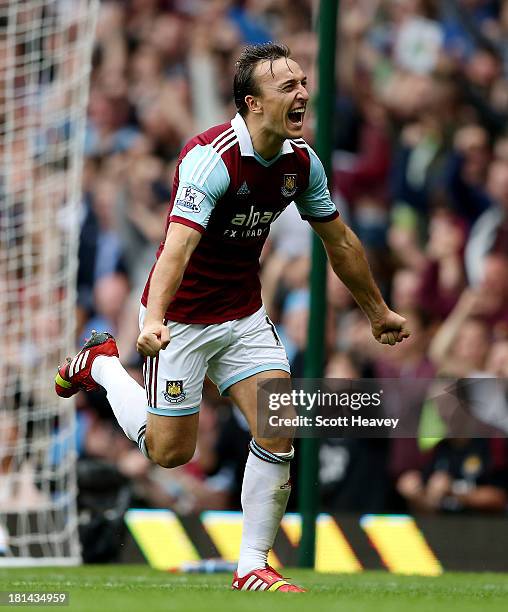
x=78, y=363
x=244, y=190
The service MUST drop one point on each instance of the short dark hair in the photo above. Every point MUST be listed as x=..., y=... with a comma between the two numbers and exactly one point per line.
x=244, y=82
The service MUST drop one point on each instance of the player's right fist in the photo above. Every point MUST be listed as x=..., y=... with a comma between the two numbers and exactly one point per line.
x=153, y=338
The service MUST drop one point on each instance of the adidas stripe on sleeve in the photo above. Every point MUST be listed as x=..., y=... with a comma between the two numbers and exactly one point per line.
x=315, y=204
x=203, y=179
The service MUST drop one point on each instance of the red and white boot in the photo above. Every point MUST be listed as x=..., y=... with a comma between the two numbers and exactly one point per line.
x=75, y=374
x=266, y=579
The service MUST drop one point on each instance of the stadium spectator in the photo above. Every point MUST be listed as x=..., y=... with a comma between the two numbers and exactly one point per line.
x=345, y=464
x=489, y=233
x=462, y=475
x=18, y=480
x=465, y=173
x=443, y=275
x=461, y=344
x=110, y=295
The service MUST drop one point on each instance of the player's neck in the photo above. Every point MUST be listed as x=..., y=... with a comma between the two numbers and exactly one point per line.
x=266, y=144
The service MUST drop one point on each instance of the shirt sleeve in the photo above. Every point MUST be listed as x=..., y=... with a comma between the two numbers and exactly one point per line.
x=203, y=179
x=315, y=203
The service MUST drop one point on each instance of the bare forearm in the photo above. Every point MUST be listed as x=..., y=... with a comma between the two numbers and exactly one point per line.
x=486, y=498
x=441, y=344
x=166, y=279
x=349, y=263
x=169, y=270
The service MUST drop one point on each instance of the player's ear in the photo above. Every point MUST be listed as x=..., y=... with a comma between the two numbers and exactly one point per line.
x=253, y=104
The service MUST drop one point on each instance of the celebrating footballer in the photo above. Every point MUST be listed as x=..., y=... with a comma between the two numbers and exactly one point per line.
x=201, y=311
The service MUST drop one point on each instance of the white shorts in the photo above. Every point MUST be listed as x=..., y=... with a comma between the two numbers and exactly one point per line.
x=228, y=352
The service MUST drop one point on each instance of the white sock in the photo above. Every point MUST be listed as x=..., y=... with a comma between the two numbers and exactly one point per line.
x=265, y=493
x=126, y=397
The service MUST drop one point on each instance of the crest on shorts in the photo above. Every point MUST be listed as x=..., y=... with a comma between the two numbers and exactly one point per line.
x=289, y=185
x=174, y=393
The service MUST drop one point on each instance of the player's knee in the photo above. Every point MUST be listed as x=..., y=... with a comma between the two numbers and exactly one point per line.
x=170, y=457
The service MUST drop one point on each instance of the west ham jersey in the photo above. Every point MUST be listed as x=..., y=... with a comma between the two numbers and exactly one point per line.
x=227, y=192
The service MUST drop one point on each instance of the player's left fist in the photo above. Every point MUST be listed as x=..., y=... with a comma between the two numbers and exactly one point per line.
x=389, y=328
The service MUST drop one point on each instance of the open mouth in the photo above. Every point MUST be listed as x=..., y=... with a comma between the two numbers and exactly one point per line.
x=296, y=116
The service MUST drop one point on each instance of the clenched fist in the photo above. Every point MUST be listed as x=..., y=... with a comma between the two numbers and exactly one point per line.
x=153, y=338
x=389, y=328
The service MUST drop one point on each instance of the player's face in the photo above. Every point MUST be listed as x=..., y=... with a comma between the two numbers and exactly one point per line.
x=283, y=97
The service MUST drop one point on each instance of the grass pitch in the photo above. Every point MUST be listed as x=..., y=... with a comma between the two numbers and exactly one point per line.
x=127, y=588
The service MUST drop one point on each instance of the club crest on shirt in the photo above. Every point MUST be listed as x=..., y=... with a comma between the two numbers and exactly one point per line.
x=174, y=393
x=188, y=199
x=288, y=188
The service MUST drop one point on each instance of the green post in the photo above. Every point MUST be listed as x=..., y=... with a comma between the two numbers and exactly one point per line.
x=308, y=498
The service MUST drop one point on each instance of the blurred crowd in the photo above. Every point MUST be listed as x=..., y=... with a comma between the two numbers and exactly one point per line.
x=420, y=171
